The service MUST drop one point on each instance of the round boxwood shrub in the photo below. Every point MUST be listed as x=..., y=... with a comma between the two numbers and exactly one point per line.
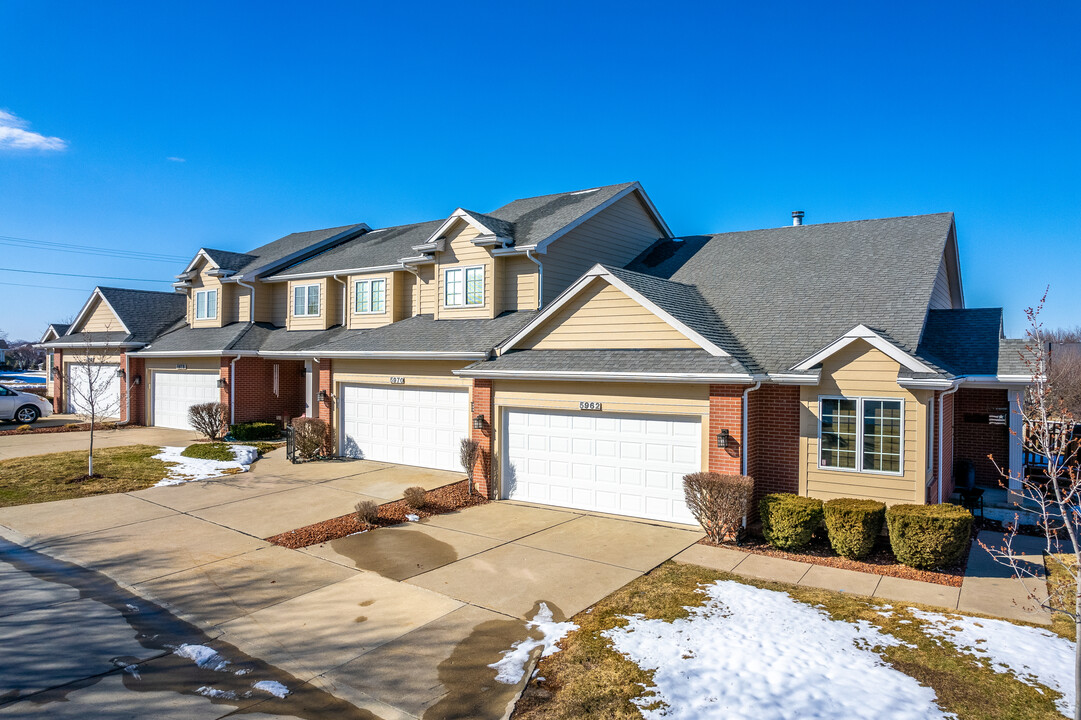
x=789, y=521
x=929, y=536
x=853, y=525
x=246, y=432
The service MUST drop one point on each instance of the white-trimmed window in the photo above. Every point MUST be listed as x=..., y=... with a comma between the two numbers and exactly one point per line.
x=305, y=300
x=463, y=287
x=206, y=304
x=371, y=296
x=861, y=434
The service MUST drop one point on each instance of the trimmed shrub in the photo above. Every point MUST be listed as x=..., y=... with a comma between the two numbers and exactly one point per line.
x=208, y=419
x=255, y=431
x=853, y=525
x=789, y=521
x=415, y=497
x=719, y=502
x=311, y=436
x=367, y=512
x=929, y=536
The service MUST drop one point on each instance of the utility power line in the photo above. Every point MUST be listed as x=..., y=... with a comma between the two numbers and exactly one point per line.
x=97, y=277
x=88, y=250
x=48, y=287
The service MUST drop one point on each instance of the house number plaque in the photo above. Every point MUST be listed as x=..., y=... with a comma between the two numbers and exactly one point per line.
x=589, y=405
x=397, y=381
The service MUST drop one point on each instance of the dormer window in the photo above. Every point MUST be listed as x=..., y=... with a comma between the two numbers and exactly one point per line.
x=463, y=287
x=206, y=304
x=305, y=300
x=371, y=296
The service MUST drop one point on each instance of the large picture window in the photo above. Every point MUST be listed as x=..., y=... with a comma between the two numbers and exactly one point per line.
x=305, y=300
x=861, y=434
x=371, y=296
x=463, y=286
x=206, y=304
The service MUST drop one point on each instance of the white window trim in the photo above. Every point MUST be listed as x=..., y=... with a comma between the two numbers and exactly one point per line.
x=859, y=435
x=465, y=292
x=208, y=309
x=356, y=294
x=307, y=288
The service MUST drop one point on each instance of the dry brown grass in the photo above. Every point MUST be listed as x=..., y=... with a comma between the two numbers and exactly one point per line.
x=1059, y=579
x=589, y=680
x=41, y=478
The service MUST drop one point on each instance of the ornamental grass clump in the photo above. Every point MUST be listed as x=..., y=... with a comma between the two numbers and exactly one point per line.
x=719, y=502
x=789, y=521
x=853, y=525
x=929, y=536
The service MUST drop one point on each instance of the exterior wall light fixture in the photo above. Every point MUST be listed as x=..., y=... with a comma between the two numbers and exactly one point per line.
x=222, y=383
x=724, y=438
x=322, y=396
x=478, y=422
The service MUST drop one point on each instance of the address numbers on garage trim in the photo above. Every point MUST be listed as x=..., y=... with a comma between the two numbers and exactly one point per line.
x=589, y=405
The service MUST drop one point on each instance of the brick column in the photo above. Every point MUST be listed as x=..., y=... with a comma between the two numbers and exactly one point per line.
x=225, y=373
x=124, y=381
x=58, y=382
x=138, y=394
x=325, y=410
x=725, y=412
x=483, y=404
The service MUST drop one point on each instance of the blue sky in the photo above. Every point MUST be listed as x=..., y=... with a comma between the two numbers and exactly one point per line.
x=164, y=127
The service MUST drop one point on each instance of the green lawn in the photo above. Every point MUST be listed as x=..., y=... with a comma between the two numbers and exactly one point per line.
x=588, y=679
x=220, y=450
x=41, y=478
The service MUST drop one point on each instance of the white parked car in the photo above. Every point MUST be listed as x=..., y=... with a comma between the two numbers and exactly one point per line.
x=22, y=407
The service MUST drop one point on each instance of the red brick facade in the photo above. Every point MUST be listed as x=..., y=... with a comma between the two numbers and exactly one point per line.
x=254, y=394
x=975, y=438
x=726, y=413
x=133, y=368
x=58, y=381
x=483, y=404
x=773, y=433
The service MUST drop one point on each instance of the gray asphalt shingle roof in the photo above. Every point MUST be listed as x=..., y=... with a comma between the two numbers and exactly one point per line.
x=376, y=248
x=422, y=333
x=145, y=313
x=275, y=251
x=787, y=292
x=229, y=260
x=963, y=342
x=611, y=361
x=1014, y=357
x=537, y=218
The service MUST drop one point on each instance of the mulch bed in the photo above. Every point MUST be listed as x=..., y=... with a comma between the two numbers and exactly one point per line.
x=80, y=427
x=438, y=501
x=880, y=561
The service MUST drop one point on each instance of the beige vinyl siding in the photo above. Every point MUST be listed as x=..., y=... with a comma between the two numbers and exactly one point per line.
x=203, y=281
x=390, y=308
x=518, y=286
x=602, y=317
x=615, y=398
x=272, y=303
x=406, y=303
x=940, y=296
x=461, y=252
x=614, y=236
x=427, y=290
x=314, y=322
x=860, y=370
x=100, y=319
x=239, y=304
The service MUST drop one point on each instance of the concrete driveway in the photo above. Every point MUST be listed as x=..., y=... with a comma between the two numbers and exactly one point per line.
x=398, y=623
x=13, y=446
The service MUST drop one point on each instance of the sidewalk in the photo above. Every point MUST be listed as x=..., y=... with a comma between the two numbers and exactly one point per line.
x=987, y=588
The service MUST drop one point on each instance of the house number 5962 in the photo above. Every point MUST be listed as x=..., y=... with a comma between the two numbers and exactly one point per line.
x=589, y=405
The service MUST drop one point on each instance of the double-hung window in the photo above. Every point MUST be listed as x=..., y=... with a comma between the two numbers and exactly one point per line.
x=305, y=300
x=371, y=296
x=206, y=304
x=463, y=287
x=861, y=434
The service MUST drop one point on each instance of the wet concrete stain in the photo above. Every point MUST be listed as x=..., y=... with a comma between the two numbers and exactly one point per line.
x=472, y=690
x=395, y=554
x=157, y=629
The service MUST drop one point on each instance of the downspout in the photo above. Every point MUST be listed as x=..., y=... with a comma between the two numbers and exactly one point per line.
x=251, y=305
x=743, y=429
x=540, y=277
x=232, y=390
x=941, y=433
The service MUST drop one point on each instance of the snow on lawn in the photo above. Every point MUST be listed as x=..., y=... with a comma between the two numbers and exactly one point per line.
x=753, y=653
x=1030, y=654
x=511, y=668
x=188, y=469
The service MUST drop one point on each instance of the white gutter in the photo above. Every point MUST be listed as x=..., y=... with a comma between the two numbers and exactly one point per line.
x=332, y=273
x=941, y=405
x=540, y=277
x=251, y=304
x=794, y=378
x=232, y=390
x=378, y=354
x=588, y=376
x=743, y=429
x=197, y=353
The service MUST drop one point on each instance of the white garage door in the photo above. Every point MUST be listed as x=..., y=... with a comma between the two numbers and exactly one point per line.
x=620, y=464
x=106, y=393
x=411, y=426
x=174, y=392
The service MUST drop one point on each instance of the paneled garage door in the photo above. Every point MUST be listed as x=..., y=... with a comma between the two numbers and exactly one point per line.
x=620, y=464
x=414, y=426
x=106, y=396
x=175, y=392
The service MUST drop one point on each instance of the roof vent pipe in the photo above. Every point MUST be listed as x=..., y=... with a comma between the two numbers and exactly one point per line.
x=797, y=217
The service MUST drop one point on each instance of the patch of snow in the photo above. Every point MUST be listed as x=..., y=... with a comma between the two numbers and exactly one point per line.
x=273, y=687
x=242, y=671
x=1032, y=655
x=133, y=608
x=203, y=656
x=511, y=668
x=412, y=518
x=186, y=469
x=753, y=653
x=212, y=692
